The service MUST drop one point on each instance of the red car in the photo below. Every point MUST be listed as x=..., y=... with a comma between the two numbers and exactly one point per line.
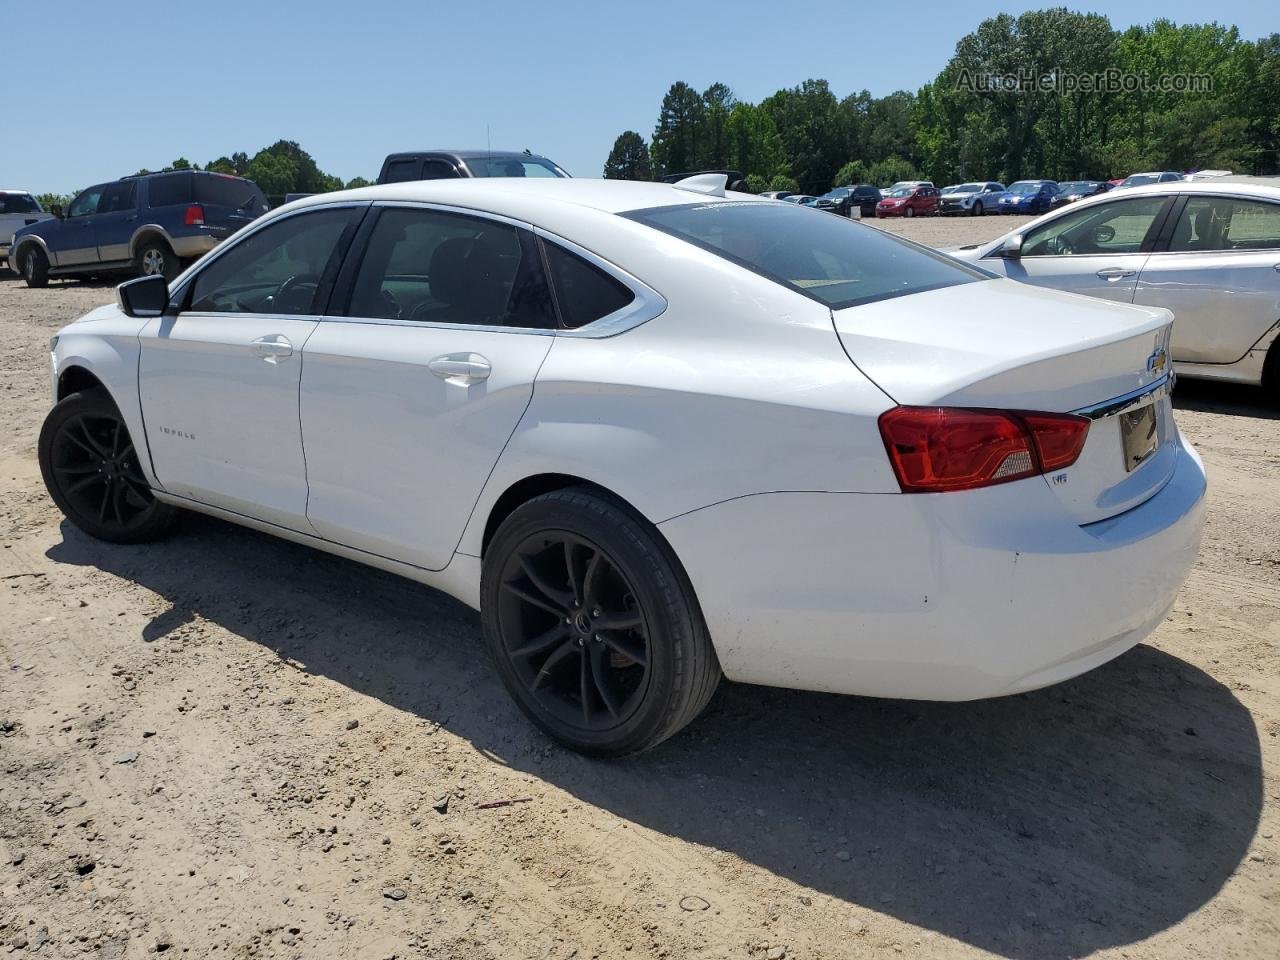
x=920, y=200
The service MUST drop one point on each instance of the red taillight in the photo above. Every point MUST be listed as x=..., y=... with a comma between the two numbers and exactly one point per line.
x=195, y=215
x=935, y=449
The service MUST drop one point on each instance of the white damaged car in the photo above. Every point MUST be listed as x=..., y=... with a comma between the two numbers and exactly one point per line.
x=656, y=435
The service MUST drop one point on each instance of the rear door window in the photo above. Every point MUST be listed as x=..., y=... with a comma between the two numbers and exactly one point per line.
x=431, y=266
x=439, y=170
x=401, y=171
x=170, y=189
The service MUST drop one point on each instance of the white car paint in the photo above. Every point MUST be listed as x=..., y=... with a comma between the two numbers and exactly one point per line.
x=1226, y=303
x=11, y=222
x=737, y=415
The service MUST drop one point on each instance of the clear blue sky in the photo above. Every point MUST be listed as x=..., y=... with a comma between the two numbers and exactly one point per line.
x=94, y=92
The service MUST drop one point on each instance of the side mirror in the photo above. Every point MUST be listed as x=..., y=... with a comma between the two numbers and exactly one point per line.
x=1011, y=249
x=143, y=297
x=56, y=210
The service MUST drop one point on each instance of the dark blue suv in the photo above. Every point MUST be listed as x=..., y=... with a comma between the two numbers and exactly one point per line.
x=150, y=224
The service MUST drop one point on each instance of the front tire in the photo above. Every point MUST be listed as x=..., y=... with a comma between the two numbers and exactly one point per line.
x=593, y=625
x=909, y=212
x=91, y=470
x=977, y=208
x=154, y=257
x=34, y=266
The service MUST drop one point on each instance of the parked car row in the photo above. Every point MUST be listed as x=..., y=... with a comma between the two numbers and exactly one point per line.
x=159, y=223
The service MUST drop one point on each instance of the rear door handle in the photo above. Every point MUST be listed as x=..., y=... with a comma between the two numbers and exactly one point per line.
x=272, y=348
x=460, y=368
x=1115, y=273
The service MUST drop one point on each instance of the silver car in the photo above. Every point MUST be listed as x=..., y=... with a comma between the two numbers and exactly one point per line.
x=17, y=209
x=1207, y=250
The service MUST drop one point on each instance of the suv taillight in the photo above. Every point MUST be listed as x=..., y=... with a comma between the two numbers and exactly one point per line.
x=936, y=449
x=195, y=215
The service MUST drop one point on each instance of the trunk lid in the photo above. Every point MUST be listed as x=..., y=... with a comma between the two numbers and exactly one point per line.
x=1004, y=345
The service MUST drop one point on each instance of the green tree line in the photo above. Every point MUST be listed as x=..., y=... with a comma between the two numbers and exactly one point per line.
x=1121, y=118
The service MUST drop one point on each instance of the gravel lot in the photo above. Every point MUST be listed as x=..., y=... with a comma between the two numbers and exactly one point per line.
x=224, y=745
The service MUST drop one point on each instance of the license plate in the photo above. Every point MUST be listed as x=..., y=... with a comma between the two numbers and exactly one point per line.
x=1138, y=435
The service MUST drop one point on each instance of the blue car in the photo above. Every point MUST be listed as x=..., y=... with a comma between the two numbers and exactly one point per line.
x=1029, y=196
x=149, y=224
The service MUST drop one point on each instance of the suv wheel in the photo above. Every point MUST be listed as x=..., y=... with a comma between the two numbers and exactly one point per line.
x=593, y=625
x=155, y=258
x=34, y=266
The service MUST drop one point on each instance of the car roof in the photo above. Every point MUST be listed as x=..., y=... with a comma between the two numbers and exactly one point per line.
x=24, y=192
x=466, y=154
x=1266, y=187
x=519, y=196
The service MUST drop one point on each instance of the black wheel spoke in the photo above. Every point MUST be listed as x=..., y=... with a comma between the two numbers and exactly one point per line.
x=84, y=444
x=96, y=448
x=544, y=674
x=585, y=684
x=543, y=642
x=571, y=565
x=619, y=621
x=117, y=490
x=106, y=497
x=589, y=579
x=115, y=438
x=626, y=648
x=533, y=599
x=78, y=469
x=561, y=598
x=600, y=675
x=85, y=482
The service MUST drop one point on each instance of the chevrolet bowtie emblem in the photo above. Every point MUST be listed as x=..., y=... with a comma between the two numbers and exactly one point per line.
x=1157, y=361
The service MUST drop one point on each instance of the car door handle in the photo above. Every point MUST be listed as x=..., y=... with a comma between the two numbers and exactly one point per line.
x=460, y=368
x=273, y=348
x=1115, y=273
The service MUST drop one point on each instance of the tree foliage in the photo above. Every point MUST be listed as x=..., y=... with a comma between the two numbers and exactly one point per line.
x=951, y=129
x=629, y=158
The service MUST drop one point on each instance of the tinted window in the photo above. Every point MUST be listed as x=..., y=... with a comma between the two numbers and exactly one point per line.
x=275, y=270
x=1118, y=227
x=831, y=259
x=1223, y=223
x=118, y=196
x=87, y=202
x=512, y=167
x=584, y=293
x=439, y=170
x=18, y=203
x=169, y=189
x=401, y=171
x=433, y=267
x=230, y=192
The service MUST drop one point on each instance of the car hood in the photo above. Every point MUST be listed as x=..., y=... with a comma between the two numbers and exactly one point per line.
x=1000, y=343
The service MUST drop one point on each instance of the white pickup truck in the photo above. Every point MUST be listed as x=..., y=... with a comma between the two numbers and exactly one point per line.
x=17, y=209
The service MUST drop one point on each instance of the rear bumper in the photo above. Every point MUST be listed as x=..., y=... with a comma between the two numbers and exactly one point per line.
x=190, y=247
x=934, y=597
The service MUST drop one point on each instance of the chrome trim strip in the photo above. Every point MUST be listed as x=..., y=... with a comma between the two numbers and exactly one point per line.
x=1128, y=401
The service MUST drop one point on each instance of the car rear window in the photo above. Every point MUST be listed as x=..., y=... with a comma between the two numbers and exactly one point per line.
x=18, y=203
x=836, y=261
x=169, y=189
x=230, y=192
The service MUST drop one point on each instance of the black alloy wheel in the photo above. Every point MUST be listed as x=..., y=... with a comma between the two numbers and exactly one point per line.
x=593, y=625
x=90, y=467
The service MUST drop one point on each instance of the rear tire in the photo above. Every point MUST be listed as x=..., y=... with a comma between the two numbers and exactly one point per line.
x=593, y=625
x=34, y=266
x=92, y=472
x=155, y=257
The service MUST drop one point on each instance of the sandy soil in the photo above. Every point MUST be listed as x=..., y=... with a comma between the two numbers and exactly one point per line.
x=224, y=745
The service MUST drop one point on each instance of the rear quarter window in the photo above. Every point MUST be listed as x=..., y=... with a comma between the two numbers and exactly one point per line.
x=584, y=293
x=169, y=190
x=833, y=260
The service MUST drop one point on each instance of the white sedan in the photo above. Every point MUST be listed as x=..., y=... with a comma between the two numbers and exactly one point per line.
x=1207, y=250
x=655, y=434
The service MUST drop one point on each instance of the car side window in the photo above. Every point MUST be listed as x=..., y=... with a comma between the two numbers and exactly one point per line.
x=276, y=270
x=1117, y=227
x=438, y=170
x=119, y=196
x=1225, y=223
x=400, y=171
x=87, y=202
x=431, y=266
x=584, y=292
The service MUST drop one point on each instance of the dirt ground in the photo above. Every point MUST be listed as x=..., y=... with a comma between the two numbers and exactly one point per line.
x=225, y=745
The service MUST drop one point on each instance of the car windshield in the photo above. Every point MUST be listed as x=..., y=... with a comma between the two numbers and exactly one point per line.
x=512, y=167
x=968, y=188
x=1140, y=179
x=18, y=203
x=1076, y=186
x=839, y=193
x=901, y=192
x=1025, y=187
x=833, y=260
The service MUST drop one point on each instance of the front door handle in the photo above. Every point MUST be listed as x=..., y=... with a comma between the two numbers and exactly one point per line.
x=1114, y=273
x=460, y=368
x=272, y=348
